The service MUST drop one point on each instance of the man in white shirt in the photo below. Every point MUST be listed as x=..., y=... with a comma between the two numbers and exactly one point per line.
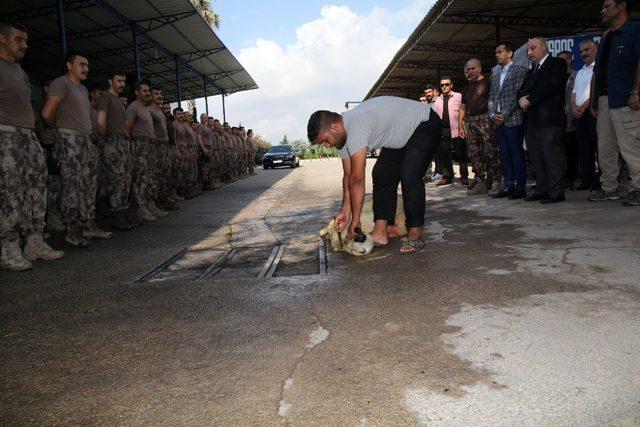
x=586, y=134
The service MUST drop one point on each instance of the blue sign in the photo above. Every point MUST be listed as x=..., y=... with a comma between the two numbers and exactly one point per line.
x=571, y=44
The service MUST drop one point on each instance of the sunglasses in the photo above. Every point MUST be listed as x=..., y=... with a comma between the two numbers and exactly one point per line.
x=445, y=85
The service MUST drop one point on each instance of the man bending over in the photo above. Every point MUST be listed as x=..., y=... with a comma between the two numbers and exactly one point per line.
x=408, y=132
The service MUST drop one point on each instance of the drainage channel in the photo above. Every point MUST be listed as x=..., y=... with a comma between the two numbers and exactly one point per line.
x=263, y=262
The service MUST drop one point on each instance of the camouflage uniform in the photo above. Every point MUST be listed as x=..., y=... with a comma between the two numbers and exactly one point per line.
x=23, y=183
x=140, y=148
x=252, y=156
x=483, y=150
x=117, y=166
x=154, y=164
x=78, y=169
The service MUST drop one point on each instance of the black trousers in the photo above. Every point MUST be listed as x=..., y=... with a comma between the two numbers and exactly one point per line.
x=547, y=154
x=405, y=166
x=587, y=138
x=571, y=153
x=444, y=155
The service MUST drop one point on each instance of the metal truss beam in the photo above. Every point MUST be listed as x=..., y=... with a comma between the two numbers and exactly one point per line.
x=155, y=61
x=427, y=65
x=452, y=47
x=104, y=53
x=35, y=12
x=104, y=4
x=526, y=21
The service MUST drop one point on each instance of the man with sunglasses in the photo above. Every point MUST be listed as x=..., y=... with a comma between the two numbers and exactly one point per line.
x=447, y=105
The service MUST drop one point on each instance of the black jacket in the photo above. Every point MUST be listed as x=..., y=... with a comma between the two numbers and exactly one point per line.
x=546, y=91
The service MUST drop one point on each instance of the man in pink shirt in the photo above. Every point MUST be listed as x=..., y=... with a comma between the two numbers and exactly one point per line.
x=447, y=105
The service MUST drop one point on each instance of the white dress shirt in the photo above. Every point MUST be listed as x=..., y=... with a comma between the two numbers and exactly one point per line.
x=582, y=86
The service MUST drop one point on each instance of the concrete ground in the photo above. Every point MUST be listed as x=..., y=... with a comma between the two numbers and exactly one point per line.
x=515, y=314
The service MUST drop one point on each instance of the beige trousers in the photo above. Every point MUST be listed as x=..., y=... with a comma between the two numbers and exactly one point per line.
x=618, y=132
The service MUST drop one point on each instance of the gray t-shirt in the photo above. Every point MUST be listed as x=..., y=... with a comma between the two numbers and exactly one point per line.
x=140, y=116
x=15, y=96
x=382, y=122
x=74, y=111
x=159, y=124
x=113, y=106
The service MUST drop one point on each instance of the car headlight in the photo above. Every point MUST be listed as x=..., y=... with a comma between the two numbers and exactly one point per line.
x=289, y=157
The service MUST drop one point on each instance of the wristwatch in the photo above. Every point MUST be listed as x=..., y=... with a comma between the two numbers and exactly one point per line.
x=635, y=93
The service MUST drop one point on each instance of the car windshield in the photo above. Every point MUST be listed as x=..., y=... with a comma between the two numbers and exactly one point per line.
x=279, y=149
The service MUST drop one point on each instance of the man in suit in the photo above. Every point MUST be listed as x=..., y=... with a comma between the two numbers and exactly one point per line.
x=506, y=116
x=542, y=97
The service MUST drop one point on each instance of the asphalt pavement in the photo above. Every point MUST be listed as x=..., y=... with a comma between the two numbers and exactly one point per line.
x=231, y=312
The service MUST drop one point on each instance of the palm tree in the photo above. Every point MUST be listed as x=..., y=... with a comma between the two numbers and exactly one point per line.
x=204, y=7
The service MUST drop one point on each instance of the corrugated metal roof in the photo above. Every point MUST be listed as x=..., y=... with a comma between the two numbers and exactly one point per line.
x=166, y=29
x=455, y=30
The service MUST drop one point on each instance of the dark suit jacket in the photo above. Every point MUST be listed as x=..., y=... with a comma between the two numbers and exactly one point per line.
x=546, y=91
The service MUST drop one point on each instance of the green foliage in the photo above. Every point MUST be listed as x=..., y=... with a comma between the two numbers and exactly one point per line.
x=305, y=150
x=285, y=141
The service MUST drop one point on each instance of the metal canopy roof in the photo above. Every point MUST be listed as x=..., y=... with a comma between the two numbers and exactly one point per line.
x=170, y=36
x=455, y=30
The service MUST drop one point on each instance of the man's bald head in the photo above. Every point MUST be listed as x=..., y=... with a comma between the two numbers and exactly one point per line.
x=473, y=70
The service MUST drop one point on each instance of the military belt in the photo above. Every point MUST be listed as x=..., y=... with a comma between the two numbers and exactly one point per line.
x=477, y=118
x=71, y=132
x=14, y=129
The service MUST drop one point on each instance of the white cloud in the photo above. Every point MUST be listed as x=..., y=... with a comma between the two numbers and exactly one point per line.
x=335, y=58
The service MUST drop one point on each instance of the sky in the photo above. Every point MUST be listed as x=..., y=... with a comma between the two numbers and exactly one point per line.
x=308, y=55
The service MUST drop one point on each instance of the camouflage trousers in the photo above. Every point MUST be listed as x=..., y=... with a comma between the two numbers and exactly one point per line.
x=23, y=183
x=116, y=171
x=179, y=166
x=214, y=161
x=483, y=150
x=166, y=182
x=205, y=166
x=192, y=166
x=154, y=164
x=140, y=177
x=78, y=160
x=252, y=161
x=54, y=185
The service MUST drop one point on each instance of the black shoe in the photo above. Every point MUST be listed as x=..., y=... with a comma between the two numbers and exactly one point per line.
x=555, y=199
x=503, y=194
x=535, y=197
x=516, y=195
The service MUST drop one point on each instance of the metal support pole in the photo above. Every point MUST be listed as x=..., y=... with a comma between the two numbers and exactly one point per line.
x=498, y=31
x=136, y=56
x=206, y=98
x=224, y=111
x=63, y=36
x=178, y=90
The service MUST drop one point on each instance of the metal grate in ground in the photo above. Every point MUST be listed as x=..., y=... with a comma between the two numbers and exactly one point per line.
x=263, y=262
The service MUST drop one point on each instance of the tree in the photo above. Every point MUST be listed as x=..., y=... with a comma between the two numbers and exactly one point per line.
x=301, y=147
x=285, y=141
x=204, y=8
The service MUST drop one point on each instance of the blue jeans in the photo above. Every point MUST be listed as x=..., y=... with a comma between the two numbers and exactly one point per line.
x=514, y=164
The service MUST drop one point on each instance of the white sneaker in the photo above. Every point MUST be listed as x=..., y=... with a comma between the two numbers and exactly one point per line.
x=36, y=248
x=92, y=231
x=156, y=211
x=146, y=216
x=11, y=256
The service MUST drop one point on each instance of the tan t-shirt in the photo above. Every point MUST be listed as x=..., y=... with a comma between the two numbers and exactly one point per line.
x=191, y=135
x=113, y=106
x=74, y=111
x=180, y=133
x=205, y=132
x=15, y=96
x=142, y=120
x=159, y=124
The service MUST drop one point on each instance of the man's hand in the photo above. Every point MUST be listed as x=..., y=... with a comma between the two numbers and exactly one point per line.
x=497, y=119
x=594, y=113
x=463, y=131
x=634, y=102
x=351, y=234
x=524, y=103
x=577, y=112
x=342, y=219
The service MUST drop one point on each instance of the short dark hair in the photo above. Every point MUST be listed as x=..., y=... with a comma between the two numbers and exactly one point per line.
x=177, y=109
x=5, y=26
x=97, y=86
x=429, y=86
x=566, y=52
x=155, y=88
x=114, y=73
x=446, y=78
x=166, y=103
x=508, y=46
x=140, y=83
x=72, y=55
x=626, y=2
x=318, y=122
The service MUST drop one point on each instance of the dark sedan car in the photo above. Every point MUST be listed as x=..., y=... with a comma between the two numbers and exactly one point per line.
x=280, y=155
